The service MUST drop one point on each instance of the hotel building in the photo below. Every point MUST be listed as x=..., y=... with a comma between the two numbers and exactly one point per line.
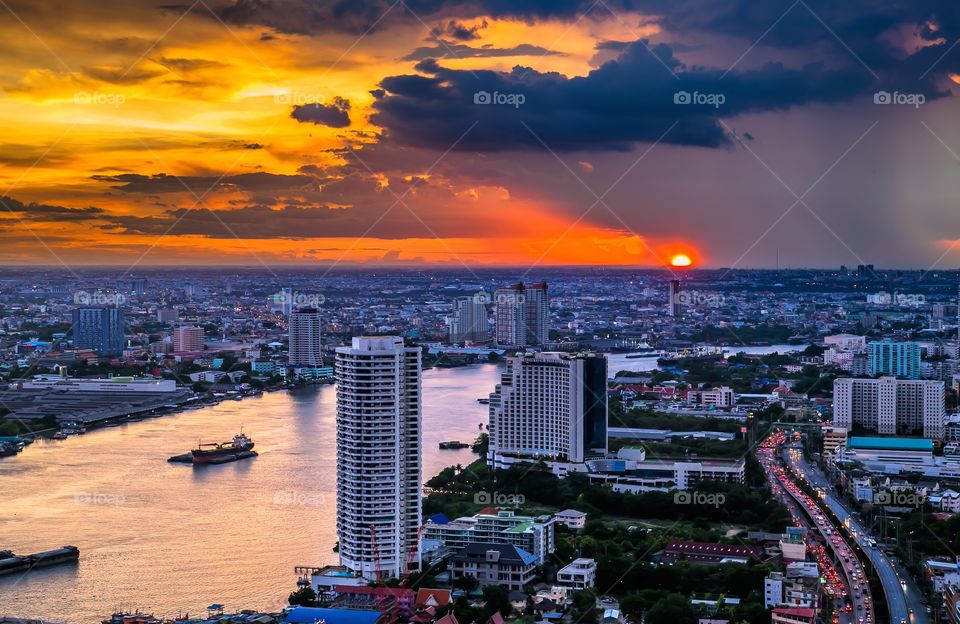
x=550, y=406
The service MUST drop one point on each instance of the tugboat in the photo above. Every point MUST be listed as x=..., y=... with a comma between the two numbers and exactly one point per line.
x=209, y=453
x=240, y=447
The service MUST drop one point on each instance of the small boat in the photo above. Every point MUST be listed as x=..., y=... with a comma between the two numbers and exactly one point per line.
x=483, y=401
x=453, y=444
x=125, y=617
x=61, y=435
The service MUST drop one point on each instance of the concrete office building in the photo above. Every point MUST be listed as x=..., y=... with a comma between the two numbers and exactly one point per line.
x=187, y=338
x=846, y=342
x=534, y=534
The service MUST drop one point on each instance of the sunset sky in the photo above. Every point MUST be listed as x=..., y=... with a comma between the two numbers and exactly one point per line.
x=356, y=132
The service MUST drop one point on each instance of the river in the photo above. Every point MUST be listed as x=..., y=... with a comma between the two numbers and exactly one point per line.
x=165, y=537
x=620, y=362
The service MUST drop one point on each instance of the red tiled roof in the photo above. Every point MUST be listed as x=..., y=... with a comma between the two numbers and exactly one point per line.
x=440, y=596
x=796, y=612
x=710, y=548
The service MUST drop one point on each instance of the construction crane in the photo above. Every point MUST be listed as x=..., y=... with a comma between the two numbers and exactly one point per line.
x=411, y=555
x=376, y=554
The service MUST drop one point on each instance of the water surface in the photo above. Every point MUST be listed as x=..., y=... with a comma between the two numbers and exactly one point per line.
x=165, y=537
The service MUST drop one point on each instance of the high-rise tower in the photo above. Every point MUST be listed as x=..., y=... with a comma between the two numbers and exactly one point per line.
x=522, y=315
x=303, y=328
x=674, y=305
x=378, y=455
x=100, y=329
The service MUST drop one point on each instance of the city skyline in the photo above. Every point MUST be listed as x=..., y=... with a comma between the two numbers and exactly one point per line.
x=615, y=133
x=480, y=312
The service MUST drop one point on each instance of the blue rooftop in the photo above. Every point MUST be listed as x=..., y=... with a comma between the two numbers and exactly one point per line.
x=311, y=615
x=898, y=444
x=439, y=519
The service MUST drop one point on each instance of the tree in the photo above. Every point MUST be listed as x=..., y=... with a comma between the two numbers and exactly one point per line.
x=305, y=596
x=584, y=607
x=497, y=599
x=672, y=609
x=466, y=582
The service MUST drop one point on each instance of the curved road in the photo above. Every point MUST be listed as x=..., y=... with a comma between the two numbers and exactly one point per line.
x=898, y=589
x=858, y=591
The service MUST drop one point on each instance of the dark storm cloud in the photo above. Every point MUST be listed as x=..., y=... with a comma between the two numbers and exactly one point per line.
x=360, y=16
x=459, y=50
x=186, y=65
x=375, y=217
x=335, y=115
x=257, y=221
x=163, y=183
x=852, y=31
x=121, y=75
x=457, y=30
x=629, y=100
x=46, y=212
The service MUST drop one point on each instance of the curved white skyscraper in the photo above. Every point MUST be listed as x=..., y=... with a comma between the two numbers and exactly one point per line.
x=378, y=454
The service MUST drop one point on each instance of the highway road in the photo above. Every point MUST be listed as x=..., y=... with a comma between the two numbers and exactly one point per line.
x=849, y=596
x=904, y=599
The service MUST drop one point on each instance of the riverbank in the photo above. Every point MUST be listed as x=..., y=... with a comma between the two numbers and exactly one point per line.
x=160, y=538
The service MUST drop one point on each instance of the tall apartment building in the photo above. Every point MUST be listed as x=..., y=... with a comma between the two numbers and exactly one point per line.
x=522, y=315
x=303, y=328
x=469, y=320
x=890, y=406
x=98, y=328
x=187, y=338
x=378, y=455
x=674, y=304
x=551, y=406
x=900, y=359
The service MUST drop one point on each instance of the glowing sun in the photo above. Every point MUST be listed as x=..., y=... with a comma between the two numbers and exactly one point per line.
x=681, y=260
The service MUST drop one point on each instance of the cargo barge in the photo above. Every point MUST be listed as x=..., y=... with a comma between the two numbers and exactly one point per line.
x=11, y=563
